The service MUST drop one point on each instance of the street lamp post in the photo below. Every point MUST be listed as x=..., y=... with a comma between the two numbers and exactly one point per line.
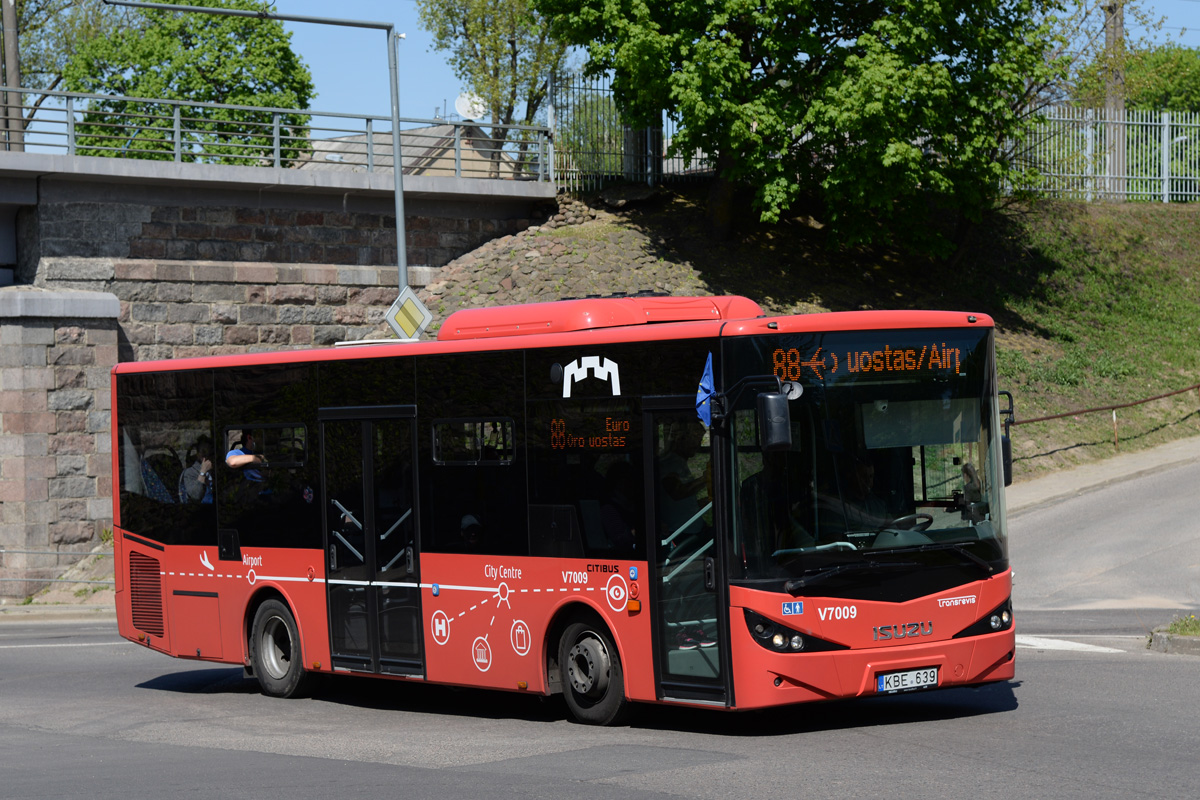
x=393, y=75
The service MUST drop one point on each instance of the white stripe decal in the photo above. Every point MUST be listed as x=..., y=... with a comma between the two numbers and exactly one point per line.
x=444, y=586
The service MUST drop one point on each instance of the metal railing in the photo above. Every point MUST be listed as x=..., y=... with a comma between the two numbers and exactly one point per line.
x=1131, y=156
x=183, y=132
x=1072, y=153
x=594, y=146
x=1113, y=408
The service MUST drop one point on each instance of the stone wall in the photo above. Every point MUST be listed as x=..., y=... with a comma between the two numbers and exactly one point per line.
x=140, y=228
x=56, y=351
x=181, y=309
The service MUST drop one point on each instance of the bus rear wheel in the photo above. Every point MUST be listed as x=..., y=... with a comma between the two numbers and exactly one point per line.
x=592, y=680
x=275, y=651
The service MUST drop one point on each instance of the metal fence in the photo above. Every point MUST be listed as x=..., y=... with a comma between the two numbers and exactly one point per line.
x=1072, y=153
x=594, y=146
x=1133, y=156
x=212, y=133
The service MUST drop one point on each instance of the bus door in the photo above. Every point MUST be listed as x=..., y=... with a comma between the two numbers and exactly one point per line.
x=690, y=617
x=371, y=560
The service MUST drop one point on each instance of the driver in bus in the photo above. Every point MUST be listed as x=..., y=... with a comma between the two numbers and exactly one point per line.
x=858, y=508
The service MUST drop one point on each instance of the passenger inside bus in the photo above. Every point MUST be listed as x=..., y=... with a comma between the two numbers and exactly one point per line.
x=681, y=489
x=195, y=482
x=471, y=533
x=618, y=514
x=242, y=456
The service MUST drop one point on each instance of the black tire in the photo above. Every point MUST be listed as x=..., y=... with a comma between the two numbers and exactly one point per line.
x=592, y=680
x=275, y=651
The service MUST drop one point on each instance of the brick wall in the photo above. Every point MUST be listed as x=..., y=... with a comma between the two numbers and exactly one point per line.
x=56, y=351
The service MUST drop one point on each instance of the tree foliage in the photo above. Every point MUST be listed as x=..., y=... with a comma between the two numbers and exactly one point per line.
x=52, y=31
x=1157, y=78
x=49, y=34
x=881, y=111
x=1088, y=58
x=198, y=58
x=503, y=52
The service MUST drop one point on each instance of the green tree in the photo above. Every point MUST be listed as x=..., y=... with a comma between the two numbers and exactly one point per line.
x=883, y=112
x=52, y=31
x=504, y=53
x=49, y=34
x=1163, y=77
x=198, y=58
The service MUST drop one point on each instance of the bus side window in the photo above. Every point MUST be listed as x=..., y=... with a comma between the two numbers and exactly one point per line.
x=475, y=484
x=160, y=421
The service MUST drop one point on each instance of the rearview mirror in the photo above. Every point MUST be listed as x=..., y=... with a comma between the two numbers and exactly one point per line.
x=774, y=422
x=1006, y=454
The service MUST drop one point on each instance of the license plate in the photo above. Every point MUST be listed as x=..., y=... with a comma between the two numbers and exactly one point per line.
x=911, y=679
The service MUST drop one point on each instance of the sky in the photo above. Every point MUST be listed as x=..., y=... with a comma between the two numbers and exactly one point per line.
x=1182, y=20
x=349, y=65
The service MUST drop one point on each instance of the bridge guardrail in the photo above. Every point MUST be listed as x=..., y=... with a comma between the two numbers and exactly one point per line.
x=74, y=123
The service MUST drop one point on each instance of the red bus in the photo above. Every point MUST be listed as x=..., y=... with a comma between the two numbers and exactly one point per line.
x=542, y=501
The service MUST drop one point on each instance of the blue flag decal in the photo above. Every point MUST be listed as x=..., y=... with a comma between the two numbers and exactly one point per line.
x=705, y=393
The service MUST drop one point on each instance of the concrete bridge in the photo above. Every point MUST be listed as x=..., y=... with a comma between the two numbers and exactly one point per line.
x=105, y=260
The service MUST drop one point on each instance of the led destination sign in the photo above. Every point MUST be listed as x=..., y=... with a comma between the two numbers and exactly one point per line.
x=791, y=365
x=614, y=436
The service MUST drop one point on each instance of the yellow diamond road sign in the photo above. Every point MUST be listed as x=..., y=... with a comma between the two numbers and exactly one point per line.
x=408, y=315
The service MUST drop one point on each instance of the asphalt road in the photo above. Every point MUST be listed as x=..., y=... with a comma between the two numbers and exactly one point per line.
x=1092, y=713
x=1135, y=544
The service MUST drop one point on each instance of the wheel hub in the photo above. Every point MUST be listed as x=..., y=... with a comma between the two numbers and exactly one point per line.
x=276, y=648
x=588, y=667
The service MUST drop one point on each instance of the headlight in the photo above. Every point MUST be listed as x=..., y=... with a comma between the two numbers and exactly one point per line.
x=780, y=638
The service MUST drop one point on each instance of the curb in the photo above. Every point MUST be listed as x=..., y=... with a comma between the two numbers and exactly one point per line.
x=1055, y=487
x=1165, y=642
x=64, y=613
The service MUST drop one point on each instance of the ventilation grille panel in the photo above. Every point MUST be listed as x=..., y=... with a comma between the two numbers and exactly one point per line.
x=145, y=591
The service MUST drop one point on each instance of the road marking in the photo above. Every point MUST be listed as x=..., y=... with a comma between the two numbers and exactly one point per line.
x=1042, y=643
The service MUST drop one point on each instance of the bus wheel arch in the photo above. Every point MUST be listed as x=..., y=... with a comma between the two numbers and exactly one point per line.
x=273, y=647
x=588, y=667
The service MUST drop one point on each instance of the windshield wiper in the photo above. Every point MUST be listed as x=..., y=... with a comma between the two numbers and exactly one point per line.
x=952, y=546
x=793, y=587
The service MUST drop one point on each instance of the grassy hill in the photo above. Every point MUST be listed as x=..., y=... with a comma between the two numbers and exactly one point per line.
x=1095, y=305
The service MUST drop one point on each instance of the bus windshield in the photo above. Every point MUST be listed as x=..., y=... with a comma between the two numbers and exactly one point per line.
x=894, y=466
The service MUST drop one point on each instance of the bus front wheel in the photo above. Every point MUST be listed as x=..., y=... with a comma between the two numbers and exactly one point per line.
x=592, y=680
x=275, y=651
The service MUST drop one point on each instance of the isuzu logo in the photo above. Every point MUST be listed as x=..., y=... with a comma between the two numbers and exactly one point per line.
x=910, y=630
